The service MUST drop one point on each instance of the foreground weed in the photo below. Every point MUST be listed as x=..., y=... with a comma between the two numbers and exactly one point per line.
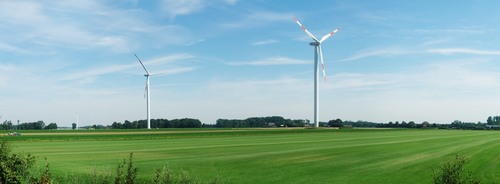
x=119, y=173
x=131, y=174
x=185, y=178
x=45, y=178
x=131, y=171
x=94, y=176
x=164, y=176
x=453, y=172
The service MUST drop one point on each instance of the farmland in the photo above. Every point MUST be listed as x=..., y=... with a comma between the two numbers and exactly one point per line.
x=270, y=155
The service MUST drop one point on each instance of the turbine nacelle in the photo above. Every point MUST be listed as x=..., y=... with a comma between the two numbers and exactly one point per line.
x=314, y=44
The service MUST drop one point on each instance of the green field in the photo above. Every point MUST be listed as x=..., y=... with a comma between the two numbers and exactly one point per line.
x=270, y=155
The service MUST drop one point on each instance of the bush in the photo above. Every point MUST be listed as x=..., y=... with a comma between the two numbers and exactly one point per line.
x=166, y=176
x=45, y=178
x=453, y=172
x=14, y=168
x=131, y=172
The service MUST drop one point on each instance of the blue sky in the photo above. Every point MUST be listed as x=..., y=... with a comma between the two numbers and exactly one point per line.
x=433, y=61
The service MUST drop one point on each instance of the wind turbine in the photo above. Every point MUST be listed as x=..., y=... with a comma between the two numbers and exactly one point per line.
x=77, y=120
x=317, y=52
x=148, y=101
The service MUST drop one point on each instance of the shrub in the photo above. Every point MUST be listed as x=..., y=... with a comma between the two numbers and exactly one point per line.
x=131, y=175
x=453, y=172
x=14, y=168
x=164, y=176
x=45, y=178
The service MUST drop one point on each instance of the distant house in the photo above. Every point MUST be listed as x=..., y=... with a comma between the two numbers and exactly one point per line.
x=493, y=126
x=271, y=124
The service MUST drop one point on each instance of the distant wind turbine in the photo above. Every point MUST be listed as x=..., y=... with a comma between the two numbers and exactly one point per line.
x=77, y=120
x=317, y=51
x=147, y=91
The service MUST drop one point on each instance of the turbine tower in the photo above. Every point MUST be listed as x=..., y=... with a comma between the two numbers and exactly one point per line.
x=317, y=53
x=77, y=120
x=147, y=92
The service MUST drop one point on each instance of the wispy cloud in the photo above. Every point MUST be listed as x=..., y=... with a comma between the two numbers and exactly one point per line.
x=231, y=2
x=258, y=18
x=174, y=71
x=48, y=26
x=459, y=31
x=357, y=81
x=264, y=42
x=182, y=7
x=464, y=51
x=90, y=74
x=167, y=59
x=174, y=8
x=271, y=61
x=379, y=52
x=10, y=48
x=252, y=84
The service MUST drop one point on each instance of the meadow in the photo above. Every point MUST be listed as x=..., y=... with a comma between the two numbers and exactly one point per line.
x=274, y=155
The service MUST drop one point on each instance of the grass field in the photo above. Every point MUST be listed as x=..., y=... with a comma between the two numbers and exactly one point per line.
x=270, y=155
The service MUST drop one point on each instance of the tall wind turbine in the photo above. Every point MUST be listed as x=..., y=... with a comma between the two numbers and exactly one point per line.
x=317, y=52
x=147, y=92
x=77, y=120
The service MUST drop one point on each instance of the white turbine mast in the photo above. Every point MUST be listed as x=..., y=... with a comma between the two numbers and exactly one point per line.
x=147, y=91
x=77, y=120
x=317, y=52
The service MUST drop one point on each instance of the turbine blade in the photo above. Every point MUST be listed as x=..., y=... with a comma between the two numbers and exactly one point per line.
x=322, y=62
x=161, y=73
x=305, y=29
x=328, y=35
x=142, y=64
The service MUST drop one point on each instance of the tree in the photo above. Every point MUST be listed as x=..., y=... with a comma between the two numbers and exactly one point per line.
x=335, y=123
x=116, y=125
x=7, y=125
x=404, y=125
x=411, y=124
x=38, y=125
x=489, y=121
x=51, y=126
x=73, y=126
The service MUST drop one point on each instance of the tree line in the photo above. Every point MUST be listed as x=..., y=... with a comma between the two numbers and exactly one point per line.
x=411, y=124
x=260, y=122
x=158, y=123
x=367, y=124
x=38, y=125
x=492, y=122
